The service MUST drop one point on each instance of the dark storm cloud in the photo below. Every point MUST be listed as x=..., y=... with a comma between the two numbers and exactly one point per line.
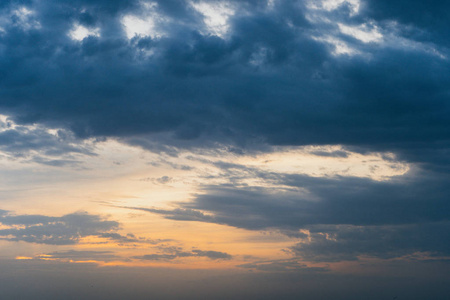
x=270, y=80
x=64, y=230
x=429, y=19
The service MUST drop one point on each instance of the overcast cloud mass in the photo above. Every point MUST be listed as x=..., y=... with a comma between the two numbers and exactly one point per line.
x=219, y=91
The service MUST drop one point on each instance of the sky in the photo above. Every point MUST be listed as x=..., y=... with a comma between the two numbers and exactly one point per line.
x=251, y=149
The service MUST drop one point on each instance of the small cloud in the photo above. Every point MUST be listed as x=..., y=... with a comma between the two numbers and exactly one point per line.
x=211, y=254
x=24, y=18
x=156, y=257
x=337, y=153
x=135, y=26
x=129, y=238
x=366, y=33
x=180, y=214
x=330, y=5
x=158, y=180
x=164, y=179
x=216, y=15
x=144, y=24
x=80, y=32
x=80, y=256
x=177, y=253
x=282, y=265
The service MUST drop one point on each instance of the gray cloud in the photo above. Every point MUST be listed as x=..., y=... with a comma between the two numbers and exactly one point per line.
x=130, y=238
x=76, y=255
x=341, y=200
x=64, y=230
x=337, y=243
x=284, y=265
x=347, y=217
x=179, y=214
x=343, y=154
x=37, y=144
x=159, y=180
x=178, y=253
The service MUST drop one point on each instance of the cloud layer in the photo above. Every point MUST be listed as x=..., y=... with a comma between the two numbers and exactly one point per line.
x=371, y=76
x=274, y=73
x=65, y=230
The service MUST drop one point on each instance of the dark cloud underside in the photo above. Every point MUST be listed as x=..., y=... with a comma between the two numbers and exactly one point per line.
x=198, y=87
